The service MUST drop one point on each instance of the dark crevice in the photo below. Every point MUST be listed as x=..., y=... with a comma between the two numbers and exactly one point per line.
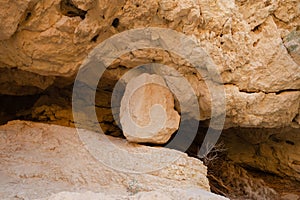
x=68, y=8
x=255, y=43
x=115, y=22
x=94, y=39
x=11, y=105
x=257, y=29
x=289, y=142
x=28, y=15
x=280, y=20
x=287, y=90
x=295, y=118
x=258, y=91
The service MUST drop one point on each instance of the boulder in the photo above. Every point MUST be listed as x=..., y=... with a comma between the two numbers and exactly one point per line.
x=147, y=111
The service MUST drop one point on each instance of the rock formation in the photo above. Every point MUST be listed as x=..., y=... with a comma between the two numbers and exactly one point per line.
x=253, y=44
x=40, y=160
x=244, y=39
x=147, y=110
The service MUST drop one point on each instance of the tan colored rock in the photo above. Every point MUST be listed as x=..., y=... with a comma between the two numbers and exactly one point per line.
x=261, y=110
x=147, y=110
x=169, y=194
x=38, y=160
x=243, y=38
x=11, y=15
x=84, y=4
x=288, y=11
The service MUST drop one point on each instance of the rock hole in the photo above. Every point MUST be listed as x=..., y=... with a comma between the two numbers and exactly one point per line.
x=268, y=3
x=67, y=8
x=255, y=43
x=115, y=22
x=14, y=105
x=275, y=139
x=28, y=15
x=256, y=29
x=94, y=39
x=289, y=142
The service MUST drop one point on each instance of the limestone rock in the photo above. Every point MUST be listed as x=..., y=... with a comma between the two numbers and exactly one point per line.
x=12, y=13
x=261, y=110
x=243, y=38
x=38, y=160
x=147, y=110
x=170, y=194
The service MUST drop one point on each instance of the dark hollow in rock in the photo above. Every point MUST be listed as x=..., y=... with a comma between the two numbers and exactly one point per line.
x=67, y=8
x=115, y=22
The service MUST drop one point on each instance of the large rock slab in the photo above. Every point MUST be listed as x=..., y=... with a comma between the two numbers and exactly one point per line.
x=243, y=38
x=38, y=160
x=147, y=111
x=173, y=194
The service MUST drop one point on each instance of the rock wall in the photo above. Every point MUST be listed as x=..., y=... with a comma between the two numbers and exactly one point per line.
x=255, y=46
x=249, y=42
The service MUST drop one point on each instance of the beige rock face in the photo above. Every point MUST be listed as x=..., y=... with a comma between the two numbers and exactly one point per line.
x=147, y=110
x=254, y=44
x=39, y=160
x=243, y=38
x=155, y=195
x=12, y=14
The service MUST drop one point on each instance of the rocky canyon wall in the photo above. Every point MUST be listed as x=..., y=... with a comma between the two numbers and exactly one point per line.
x=255, y=46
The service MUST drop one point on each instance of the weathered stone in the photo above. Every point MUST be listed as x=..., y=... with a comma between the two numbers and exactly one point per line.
x=38, y=160
x=253, y=44
x=147, y=110
x=11, y=15
x=261, y=110
x=276, y=151
x=243, y=38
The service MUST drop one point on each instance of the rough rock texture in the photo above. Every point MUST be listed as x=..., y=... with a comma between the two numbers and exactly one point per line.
x=147, y=110
x=276, y=151
x=255, y=45
x=38, y=160
x=244, y=39
x=172, y=194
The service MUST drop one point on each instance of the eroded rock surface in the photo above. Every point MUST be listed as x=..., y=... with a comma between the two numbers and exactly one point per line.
x=147, y=110
x=254, y=44
x=243, y=38
x=38, y=160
